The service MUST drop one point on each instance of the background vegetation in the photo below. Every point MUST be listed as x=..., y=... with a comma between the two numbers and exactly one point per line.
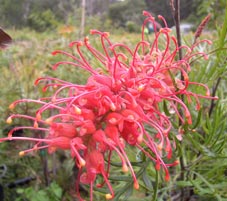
x=39, y=27
x=48, y=15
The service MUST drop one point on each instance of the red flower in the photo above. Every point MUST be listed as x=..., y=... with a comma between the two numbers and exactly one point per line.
x=119, y=106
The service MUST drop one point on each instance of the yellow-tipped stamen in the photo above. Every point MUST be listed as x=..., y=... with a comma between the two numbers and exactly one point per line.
x=77, y=110
x=9, y=120
x=49, y=120
x=112, y=107
x=140, y=138
x=136, y=185
x=176, y=162
x=11, y=106
x=109, y=196
x=113, y=120
x=21, y=153
x=107, y=34
x=160, y=147
x=80, y=43
x=36, y=125
x=125, y=168
x=131, y=117
x=38, y=116
x=82, y=162
x=141, y=88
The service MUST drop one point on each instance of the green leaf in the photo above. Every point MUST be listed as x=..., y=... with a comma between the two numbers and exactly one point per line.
x=20, y=190
x=184, y=183
x=210, y=190
x=40, y=196
x=147, y=180
x=120, y=178
x=165, y=108
x=128, y=193
x=198, y=119
x=56, y=190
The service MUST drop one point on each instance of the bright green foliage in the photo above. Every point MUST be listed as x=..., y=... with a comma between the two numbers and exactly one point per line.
x=122, y=12
x=12, y=12
x=212, y=6
x=52, y=192
x=42, y=21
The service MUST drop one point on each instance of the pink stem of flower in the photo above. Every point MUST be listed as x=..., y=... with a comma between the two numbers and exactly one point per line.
x=35, y=148
x=25, y=127
x=24, y=116
x=95, y=52
x=91, y=190
x=51, y=78
x=108, y=183
x=122, y=45
x=67, y=54
x=136, y=184
x=136, y=50
x=86, y=67
x=166, y=49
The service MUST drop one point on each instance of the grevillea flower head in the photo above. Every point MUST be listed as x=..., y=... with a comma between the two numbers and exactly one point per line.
x=119, y=106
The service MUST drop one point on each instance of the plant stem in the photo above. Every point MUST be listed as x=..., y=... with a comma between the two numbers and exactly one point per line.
x=176, y=14
x=45, y=170
x=177, y=24
x=83, y=6
x=155, y=195
x=213, y=94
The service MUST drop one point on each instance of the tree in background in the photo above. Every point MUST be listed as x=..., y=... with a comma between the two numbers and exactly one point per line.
x=127, y=13
x=162, y=7
x=13, y=13
x=99, y=7
x=42, y=14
